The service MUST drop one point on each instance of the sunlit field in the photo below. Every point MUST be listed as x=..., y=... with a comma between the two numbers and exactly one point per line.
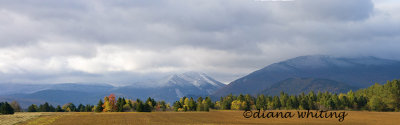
x=212, y=117
x=19, y=117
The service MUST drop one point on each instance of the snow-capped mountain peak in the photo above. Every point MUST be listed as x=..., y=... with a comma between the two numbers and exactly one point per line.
x=197, y=79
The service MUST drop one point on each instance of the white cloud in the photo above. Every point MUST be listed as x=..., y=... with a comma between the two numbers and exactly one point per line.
x=120, y=41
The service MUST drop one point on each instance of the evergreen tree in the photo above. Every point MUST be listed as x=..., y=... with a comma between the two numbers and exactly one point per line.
x=227, y=102
x=52, y=109
x=249, y=101
x=260, y=102
x=123, y=103
x=303, y=105
x=151, y=103
x=163, y=106
x=130, y=104
x=139, y=105
x=241, y=97
x=336, y=101
x=99, y=107
x=361, y=102
x=276, y=102
x=32, y=108
x=192, y=104
x=293, y=103
x=283, y=100
x=376, y=104
x=59, y=109
x=312, y=99
x=88, y=108
x=209, y=102
x=81, y=108
x=147, y=107
x=344, y=101
x=352, y=99
x=6, y=108
x=200, y=99
x=120, y=104
x=45, y=107
x=289, y=104
x=177, y=105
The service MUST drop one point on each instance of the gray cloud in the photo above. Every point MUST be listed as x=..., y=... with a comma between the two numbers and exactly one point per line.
x=339, y=10
x=93, y=41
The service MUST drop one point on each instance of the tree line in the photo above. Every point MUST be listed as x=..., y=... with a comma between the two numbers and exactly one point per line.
x=377, y=97
x=186, y=104
x=110, y=104
x=6, y=108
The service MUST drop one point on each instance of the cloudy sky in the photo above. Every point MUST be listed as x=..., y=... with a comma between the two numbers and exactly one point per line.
x=124, y=41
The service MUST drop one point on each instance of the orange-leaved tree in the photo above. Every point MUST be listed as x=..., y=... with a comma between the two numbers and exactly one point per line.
x=110, y=104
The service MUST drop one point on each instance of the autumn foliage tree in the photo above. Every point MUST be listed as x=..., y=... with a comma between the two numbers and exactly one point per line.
x=110, y=104
x=15, y=105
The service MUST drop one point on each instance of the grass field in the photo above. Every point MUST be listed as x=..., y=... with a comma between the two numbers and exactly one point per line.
x=19, y=117
x=212, y=117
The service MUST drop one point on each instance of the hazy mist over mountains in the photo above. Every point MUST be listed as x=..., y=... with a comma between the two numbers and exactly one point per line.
x=300, y=74
x=169, y=89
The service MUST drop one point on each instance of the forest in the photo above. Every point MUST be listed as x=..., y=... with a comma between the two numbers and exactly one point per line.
x=377, y=97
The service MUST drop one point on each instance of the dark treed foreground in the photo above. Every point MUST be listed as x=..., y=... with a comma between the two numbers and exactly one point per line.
x=375, y=98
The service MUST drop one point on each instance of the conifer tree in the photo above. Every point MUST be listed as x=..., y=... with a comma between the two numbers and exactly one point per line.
x=99, y=107
x=177, y=105
x=260, y=102
x=32, y=108
x=58, y=109
x=81, y=108
x=192, y=104
x=139, y=105
x=6, y=108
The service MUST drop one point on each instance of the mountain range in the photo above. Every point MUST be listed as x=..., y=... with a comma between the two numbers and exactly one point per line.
x=358, y=72
x=169, y=89
x=293, y=76
x=174, y=87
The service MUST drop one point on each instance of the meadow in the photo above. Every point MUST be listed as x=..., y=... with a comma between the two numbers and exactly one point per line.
x=22, y=117
x=212, y=117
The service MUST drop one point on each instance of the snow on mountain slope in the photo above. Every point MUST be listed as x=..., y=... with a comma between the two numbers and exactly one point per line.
x=173, y=87
x=199, y=80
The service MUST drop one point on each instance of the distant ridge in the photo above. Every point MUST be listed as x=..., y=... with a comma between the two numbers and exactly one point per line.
x=169, y=89
x=354, y=71
x=175, y=87
x=295, y=86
